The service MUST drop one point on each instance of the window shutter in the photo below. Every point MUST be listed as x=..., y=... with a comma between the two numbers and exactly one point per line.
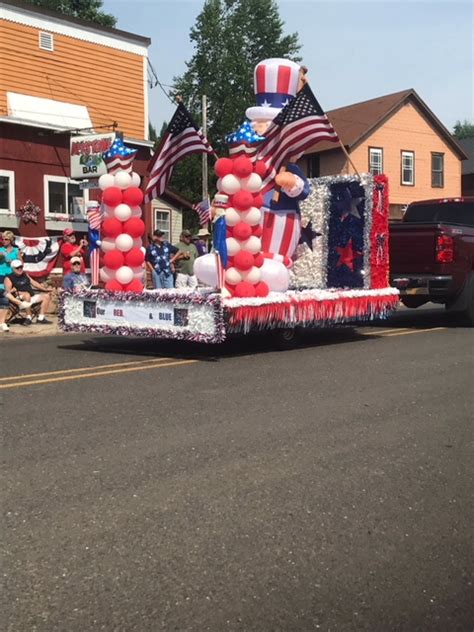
x=46, y=41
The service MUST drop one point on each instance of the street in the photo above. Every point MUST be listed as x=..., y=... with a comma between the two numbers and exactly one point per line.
x=161, y=486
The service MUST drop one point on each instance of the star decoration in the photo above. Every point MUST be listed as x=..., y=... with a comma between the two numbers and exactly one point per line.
x=266, y=104
x=354, y=211
x=119, y=156
x=308, y=235
x=285, y=102
x=347, y=255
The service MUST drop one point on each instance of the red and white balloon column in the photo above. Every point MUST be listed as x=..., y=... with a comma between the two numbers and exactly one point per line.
x=241, y=180
x=122, y=231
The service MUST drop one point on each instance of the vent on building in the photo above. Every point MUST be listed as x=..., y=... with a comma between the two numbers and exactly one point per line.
x=46, y=41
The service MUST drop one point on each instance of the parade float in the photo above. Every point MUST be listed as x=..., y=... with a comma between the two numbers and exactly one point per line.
x=289, y=252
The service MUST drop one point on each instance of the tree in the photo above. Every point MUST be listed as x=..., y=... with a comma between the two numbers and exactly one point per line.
x=464, y=129
x=85, y=9
x=230, y=37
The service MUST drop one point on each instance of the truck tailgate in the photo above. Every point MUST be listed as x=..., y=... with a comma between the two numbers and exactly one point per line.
x=412, y=248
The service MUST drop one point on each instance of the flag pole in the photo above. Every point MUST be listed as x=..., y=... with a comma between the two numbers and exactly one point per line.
x=205, y=190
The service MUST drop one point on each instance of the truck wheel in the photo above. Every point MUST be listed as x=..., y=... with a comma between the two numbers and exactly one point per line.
x=413, y=301
x=286, y=338
x=463, y=305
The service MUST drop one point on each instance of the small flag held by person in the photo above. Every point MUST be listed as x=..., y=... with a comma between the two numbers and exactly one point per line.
x=203, y=209
x=181, y=139
x=94, y=218
x=300, y=125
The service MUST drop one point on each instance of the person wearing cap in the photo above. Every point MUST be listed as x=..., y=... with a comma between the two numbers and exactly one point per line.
x=159, y=257
x=20, y=290
x=188, y=253
x=201, y=240
x=76, y=280
x=69, y=248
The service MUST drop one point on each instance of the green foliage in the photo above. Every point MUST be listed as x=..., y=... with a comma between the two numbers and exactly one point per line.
x=85, y=9
x=230, y=37
x=464, y=129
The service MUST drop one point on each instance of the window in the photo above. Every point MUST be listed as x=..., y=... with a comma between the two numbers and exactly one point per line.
x=408, y=168
x=375, y=160
x=163, y=222
x=7, y=192
x=437, y=170
x=64, y=199
x=46, y=41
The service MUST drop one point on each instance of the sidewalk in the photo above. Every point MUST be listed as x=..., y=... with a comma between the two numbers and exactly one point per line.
x=19, y=331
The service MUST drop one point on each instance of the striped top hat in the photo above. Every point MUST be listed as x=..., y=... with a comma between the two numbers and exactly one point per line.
x=276, y=83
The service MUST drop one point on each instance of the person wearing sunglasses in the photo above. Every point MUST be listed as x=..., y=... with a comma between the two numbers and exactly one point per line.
x=76, y=280
x=8, y=252
x=20, y=290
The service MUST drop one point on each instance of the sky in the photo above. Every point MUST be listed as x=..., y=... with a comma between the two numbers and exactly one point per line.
x=354, y=50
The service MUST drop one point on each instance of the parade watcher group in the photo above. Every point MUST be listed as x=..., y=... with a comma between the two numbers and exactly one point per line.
x=22, y=296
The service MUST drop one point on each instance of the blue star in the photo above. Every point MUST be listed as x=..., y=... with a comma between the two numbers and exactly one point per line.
x=308, y=235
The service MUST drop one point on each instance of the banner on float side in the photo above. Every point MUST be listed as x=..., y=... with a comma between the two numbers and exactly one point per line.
x=86, y=154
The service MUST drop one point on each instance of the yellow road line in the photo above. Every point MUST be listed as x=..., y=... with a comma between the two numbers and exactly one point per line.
x=415, y=331
x=383, y=331
x=79, y=369
x=90, y=375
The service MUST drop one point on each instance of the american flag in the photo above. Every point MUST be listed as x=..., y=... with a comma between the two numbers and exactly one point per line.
x=300, y=125
x=181, y=139
x=119, y=157
x=244, y=142
x=94, y=217
x=203, y=209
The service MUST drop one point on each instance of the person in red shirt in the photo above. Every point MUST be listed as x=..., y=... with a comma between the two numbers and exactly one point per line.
x=70, y=248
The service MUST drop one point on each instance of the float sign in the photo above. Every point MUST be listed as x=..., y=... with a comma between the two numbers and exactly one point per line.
x=86, y=155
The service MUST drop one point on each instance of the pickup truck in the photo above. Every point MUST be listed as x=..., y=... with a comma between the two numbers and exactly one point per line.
x=432, y=255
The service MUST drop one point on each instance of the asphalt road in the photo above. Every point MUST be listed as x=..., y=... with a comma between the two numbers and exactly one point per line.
x=151, y=486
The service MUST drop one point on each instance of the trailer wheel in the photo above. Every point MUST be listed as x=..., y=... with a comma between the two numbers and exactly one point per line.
x=286, y=338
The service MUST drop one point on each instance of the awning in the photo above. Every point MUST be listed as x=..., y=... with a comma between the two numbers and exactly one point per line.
x=48, y=112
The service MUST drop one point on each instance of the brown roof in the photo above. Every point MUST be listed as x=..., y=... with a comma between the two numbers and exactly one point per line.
x=354, y=123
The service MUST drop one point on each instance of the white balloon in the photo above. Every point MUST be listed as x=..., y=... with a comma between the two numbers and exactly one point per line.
x=122, y=180
x=205, y=268
x=106, y=180
x=124, y=275
x=138, y=272
x=107, y=244
x=233, y=246
x=123, y=212
x=219, y=185
x=253, y=183
x=136, y=180
x=232, y=217
x=252, y=216
x=124, y=242
x=275, y=275
x=230, y=184
x=136, y=211
x=143, y=249
x=109, y=210
x=137, y=242
x=252, y=276
x=232, y=276
x=253, y=244
x=106, y=274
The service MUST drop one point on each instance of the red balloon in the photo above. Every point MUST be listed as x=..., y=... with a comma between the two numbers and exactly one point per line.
x=112, y=196
x=223, y=167
x=133, y=196
x=258, y=260
x=242, y=200
x=258, y=200
x=114, y=286
x=257, y=230
x=261, y=289
x=230, y=262
x=242, y=167
x=134, y=286
x=242, y=231
x=244, y=289
x=111, y=227
x=134, y=227
x=134, y=258
x=113, y=259
x=229, y=231
x=243, y=260
x=260, y=168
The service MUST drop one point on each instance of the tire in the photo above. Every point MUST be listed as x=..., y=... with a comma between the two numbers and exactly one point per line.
x=463, y=305
x=287, y=338
x=413, y=301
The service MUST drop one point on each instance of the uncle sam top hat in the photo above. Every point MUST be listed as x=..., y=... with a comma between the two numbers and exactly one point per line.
x=276, y=84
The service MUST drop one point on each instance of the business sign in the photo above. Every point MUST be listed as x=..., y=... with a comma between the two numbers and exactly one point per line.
x=86, y=155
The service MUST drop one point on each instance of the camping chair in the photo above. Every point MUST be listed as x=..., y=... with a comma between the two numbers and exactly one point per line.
x=14, y=312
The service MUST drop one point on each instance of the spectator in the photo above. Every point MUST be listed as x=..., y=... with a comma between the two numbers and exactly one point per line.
x=185, y=276
x=8, y=253
x=69, y=249
x=160, y=257
x=3, y=306
x=200, y=241
x=19, y=289
x=76, y=280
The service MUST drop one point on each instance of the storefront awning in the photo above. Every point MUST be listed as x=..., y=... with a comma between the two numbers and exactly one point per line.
x=48, y=112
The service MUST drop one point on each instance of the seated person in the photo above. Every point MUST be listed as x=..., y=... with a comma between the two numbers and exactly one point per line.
x=20, y=290
x=76, y=280
x=4, y=305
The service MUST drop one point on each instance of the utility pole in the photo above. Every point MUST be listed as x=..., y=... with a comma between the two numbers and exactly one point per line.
x=205, y=191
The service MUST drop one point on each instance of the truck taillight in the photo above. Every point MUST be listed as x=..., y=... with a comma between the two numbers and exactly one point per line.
x=444, y=249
